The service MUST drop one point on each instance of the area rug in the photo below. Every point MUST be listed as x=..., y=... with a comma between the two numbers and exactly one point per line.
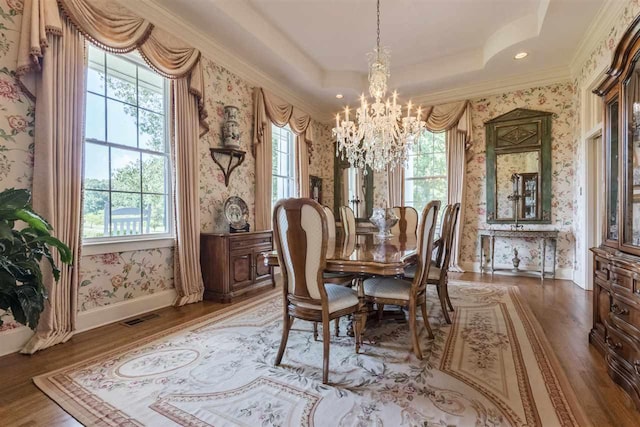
x=491, y=367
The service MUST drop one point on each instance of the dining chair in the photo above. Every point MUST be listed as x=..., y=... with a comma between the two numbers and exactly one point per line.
x=439, y=272
x=348, y=220
x=330, y=276
x=398, y=291
x=407, y=221
x=300, y=237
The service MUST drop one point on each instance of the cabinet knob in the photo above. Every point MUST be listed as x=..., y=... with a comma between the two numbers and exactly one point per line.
x=612, y=345
x=615, y=308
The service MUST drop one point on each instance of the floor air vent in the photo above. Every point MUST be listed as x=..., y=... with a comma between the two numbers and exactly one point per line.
x=137, y=320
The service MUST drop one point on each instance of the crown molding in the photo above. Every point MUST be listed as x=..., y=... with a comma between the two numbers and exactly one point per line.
x=598, y=30
x=210, y=48
x=493, y=87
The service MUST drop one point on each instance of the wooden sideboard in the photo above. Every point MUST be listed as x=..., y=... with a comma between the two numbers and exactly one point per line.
x=233, y=264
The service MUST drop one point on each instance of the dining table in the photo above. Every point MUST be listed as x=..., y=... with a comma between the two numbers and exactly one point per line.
x=364, y=255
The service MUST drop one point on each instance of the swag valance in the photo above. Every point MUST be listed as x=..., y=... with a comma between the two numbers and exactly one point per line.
x=114, y=28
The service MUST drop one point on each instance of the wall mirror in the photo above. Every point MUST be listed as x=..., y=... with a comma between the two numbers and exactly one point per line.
x=519, y=167
x=354, y=189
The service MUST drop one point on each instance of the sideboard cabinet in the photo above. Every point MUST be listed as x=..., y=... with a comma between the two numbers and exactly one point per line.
x=616, y=272
x=233, y=264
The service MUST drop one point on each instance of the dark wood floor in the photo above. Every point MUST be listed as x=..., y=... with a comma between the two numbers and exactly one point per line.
x=562, y=308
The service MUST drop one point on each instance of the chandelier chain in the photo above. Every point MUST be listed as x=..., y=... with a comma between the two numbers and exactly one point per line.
x=378, y=32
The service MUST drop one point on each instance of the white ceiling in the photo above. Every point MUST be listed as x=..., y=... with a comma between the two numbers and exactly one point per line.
x=317, y=48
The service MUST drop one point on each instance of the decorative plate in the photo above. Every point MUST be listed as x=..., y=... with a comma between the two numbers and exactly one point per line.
x=236, y=211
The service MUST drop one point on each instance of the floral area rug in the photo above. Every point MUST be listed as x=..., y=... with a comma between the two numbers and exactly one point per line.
x=491, y=367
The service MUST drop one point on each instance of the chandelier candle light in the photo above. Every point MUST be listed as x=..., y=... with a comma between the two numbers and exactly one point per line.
x=380, y=136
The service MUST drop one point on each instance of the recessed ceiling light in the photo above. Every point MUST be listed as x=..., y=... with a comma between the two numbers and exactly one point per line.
x=339, y=96
x=520, y=55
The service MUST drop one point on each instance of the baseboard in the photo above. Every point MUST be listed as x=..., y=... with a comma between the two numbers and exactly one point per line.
x=101, y=316
x=561, y=273
x=13, y=340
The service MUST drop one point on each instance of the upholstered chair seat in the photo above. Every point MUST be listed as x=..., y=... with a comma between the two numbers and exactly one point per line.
x=387, y=287
x=339, y=297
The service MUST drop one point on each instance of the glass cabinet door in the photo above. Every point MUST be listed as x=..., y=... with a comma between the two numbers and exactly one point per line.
x=631, y=160
x=612, y=116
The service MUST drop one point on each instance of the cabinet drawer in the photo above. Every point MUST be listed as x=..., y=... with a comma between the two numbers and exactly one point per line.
x=626, y=315
x=249, y=243
x=602, y=267
x=622, y=280
x=620, y=344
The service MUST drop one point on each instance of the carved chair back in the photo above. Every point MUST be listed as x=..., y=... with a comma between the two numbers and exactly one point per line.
x=444, y=232
x=348, y=220
x=300, y=237
x=331, y=222
x=407, y=221
x=450, y=237
x=425, y=246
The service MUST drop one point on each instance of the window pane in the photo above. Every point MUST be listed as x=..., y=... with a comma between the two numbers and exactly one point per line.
x=121, y=79
x=95, y=74
x=126, y=216
x=96, y=167
x=154, y=217
x=150, y=90
x=121, y=123
x=154, y=170
x=93, y=213
x=151, y=131
x=125, y=170
x=94, y=122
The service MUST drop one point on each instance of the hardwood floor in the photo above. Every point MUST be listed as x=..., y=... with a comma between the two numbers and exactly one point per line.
x=562, y=308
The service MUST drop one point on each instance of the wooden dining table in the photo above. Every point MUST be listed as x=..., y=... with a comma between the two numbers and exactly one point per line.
x=364, y=254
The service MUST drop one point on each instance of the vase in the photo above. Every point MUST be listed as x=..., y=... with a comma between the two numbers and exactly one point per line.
x=384, y=219
x=231, y=134
x=231, y=113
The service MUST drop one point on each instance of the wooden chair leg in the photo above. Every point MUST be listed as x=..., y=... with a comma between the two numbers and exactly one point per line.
x=315, y=331
x=380, y=312
x=337, y=325
x=413, y=330
x=326, y=340
x=286, y=326
x=357, y=324
x=443, y=303
x=425, y=317
x=446, y=295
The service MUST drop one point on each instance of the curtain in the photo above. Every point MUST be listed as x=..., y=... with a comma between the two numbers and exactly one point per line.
x=455, y=120
x=187, y=275
x=57, y=174
x=396, y=186
x=51, y=70
x=268, y=109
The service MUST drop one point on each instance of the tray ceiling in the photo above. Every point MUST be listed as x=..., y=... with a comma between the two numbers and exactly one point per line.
x=317, y=48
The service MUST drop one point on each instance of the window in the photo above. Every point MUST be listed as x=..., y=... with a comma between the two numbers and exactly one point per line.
x=283, y=182
x=126, y=158
x=426, y=173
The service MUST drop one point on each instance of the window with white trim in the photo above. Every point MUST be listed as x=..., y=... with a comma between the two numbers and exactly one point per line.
x=127, y=185
x=425, y=177
x=283, y=181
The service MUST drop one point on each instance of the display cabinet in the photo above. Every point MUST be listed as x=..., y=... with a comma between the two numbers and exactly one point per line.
x=616, y=296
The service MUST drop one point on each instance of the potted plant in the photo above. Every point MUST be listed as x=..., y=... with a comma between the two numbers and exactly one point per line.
x=25, y=239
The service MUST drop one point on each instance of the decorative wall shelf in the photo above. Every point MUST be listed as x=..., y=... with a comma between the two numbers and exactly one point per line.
x=236, y=157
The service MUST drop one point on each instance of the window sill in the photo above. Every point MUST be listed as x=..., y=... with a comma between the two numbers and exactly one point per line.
x=98, y=248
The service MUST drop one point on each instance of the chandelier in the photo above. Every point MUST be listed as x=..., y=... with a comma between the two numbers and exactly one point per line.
x=381, y=135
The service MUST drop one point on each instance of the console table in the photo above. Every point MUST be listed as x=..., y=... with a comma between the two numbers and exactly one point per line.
x=543, y=236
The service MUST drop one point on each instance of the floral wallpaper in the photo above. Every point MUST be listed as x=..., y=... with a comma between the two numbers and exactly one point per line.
x=16, y=115
x=322, y=160
x=110, y=278
x=558, y=99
